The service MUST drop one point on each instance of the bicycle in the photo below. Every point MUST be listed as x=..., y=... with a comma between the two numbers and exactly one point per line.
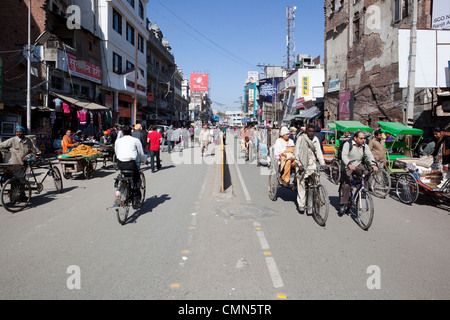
x=317, y=202
x=124, y=193
x=16, y=187
x=380, y=182
x=360, y=200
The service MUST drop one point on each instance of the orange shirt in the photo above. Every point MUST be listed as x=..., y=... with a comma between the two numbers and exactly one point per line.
x=67, y=142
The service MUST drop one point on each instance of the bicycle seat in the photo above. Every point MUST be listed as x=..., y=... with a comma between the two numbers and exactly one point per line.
x=127, y=173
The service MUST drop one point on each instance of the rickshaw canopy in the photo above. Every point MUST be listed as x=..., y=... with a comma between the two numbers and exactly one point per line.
x=396, y=128
x=351, y=126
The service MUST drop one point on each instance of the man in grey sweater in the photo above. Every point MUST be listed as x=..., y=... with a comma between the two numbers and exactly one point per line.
x=352, y=162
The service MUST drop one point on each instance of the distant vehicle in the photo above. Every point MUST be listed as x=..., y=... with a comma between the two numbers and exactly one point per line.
x=162, y=129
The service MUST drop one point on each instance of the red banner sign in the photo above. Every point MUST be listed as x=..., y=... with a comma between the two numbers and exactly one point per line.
x=84, y=69
x=199, y=82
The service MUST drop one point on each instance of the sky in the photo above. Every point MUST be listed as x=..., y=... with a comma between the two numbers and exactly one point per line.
x=226, y=39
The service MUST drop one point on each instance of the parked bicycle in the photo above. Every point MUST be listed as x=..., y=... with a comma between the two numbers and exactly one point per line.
x=360, y=203
x=124, y=194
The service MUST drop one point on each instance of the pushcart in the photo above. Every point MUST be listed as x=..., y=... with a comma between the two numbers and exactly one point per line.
x=108, y=154
x=71, y=165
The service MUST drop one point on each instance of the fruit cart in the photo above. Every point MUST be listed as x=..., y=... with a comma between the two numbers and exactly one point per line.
x=81, y=159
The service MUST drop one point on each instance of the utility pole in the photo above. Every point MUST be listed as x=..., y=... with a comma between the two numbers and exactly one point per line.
x=409, y=112
x=290, y=42
x=29, y=70
x=136, y=68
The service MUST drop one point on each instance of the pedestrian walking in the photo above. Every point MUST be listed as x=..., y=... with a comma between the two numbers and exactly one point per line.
x=154, y=140
x=185, y=137
x=205, y=139
x=169, y=138
x=176, y=135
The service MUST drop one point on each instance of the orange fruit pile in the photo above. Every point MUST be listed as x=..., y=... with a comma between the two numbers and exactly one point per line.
x=83, y=150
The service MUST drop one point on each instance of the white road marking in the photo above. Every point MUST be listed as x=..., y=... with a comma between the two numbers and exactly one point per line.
x=244, y=187
x=262, y=240
x=274, y=274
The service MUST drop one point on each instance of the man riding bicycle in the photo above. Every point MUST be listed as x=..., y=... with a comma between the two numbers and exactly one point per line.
x=354, y=152
x=127, y=150
x=307, y=149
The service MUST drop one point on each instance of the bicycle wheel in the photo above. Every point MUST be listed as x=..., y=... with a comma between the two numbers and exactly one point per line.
x=123, y=202
x=364, y=209
x=335, y=172
x=56, y=175
x=406, y=188
x=143, y=187
x=16, y=194
x=320, y=205
x=380, y=183
x=273, y=185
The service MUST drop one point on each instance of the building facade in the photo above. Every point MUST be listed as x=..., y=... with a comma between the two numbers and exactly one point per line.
x=362, y=59
x=124, y=36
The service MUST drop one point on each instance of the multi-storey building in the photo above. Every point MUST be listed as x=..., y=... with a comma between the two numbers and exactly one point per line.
x=123, y=27
x=362, y=59
x=66, y=68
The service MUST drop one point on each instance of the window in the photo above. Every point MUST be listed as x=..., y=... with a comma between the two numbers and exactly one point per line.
x=356, y=28
x=85, y=91
x=117, y=21
x=141, y=43
x=129, y=65
x=141, y=10
x=400, y=9
x=333, y=6
x=131, y=2
x=130, y=34
x=117, y=63
x=57, y=83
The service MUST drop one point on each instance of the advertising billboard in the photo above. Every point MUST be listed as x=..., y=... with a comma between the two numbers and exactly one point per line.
x=199, y=82
x=346, y=100
x=432, y=56
x=441, y=14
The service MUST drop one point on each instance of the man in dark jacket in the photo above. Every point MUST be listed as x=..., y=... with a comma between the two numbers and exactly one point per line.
x=321, y=136
x=142, y=136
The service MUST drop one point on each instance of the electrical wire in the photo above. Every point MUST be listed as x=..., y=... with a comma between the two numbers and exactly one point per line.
x=237, y=59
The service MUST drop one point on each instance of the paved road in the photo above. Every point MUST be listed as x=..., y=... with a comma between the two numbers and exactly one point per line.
x=189, y=241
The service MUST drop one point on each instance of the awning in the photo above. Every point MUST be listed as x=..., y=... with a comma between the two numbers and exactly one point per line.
x=82, y=104
x=311, y=113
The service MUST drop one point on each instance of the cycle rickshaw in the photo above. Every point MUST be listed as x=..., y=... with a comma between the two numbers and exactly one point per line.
x=412, y=175
x=317, y=202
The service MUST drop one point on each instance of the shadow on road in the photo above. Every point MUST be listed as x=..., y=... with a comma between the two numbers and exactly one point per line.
x=148, y=206
x=38, y=199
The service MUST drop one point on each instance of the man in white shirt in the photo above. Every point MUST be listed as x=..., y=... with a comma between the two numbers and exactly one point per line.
x=127, y=150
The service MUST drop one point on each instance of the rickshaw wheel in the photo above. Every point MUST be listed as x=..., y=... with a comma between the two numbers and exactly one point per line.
x=273, y=185
x=406, y=188
x=67, y=175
